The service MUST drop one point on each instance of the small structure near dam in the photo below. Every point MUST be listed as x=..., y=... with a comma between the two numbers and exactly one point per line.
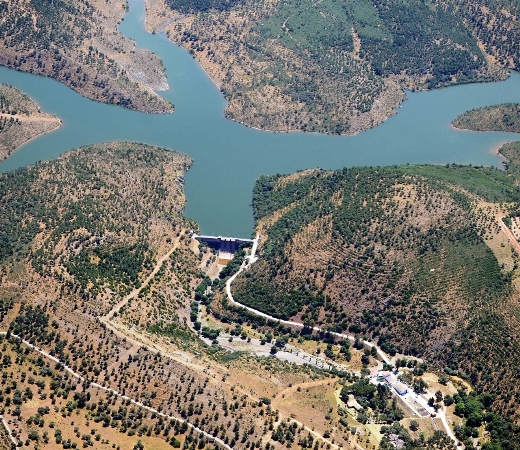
x=226, y=246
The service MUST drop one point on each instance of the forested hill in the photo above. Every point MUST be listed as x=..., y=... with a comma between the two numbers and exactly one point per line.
x=410, y=257
x=504, y=117
x=77, y=43
x=337, y=66
x=94, y=219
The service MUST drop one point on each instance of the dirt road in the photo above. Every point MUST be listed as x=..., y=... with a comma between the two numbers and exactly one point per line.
x=509, y=234
x=145, y=283
x=32, y=118
x=119, y=394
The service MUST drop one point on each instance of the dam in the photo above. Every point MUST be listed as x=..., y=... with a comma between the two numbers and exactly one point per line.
x=226, y=246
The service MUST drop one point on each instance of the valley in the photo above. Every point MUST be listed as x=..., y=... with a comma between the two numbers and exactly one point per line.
x=377, y=306
x=108, y=304
x=76, y=270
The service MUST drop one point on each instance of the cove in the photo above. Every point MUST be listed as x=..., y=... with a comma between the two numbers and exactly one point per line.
x=229, y=157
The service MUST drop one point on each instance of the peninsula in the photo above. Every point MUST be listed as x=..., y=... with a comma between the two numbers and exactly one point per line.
x=78, y=43
x=337, y=68
x=21, y=120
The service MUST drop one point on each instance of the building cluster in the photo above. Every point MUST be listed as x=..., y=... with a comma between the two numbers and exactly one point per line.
x=390, y=378
x=396, y=441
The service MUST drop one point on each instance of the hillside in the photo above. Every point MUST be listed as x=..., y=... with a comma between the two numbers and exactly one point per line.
x=337, y=67
x=504, y=117
x=77, y=43
x=99, y=275
x=409, y=257
x=495, y=26
x=75, y=218
x=78, y=234
x=20, y=120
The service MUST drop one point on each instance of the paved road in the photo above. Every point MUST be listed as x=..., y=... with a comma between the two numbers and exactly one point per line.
x=419, y=402
x=294, y=356
x=245, y=265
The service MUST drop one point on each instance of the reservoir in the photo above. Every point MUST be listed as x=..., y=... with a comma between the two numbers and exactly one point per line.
x=229, y=157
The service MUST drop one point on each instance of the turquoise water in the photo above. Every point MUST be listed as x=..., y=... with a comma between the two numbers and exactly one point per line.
x=229, y=156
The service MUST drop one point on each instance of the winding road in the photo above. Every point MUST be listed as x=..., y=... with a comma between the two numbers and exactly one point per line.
x=245, y=265
x=420, y=399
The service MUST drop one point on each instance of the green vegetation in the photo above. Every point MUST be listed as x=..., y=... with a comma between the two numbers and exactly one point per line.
x=366, y=226
x=193, y=6
x=233, y=265
x=476, y=411
x=73, y=41
x=201, y=293
x=87, y=243
x=377, y=398
x=493, y=23
x=52, y=408
x=399, y=255
x=438, y=440
x=120, y=264
x=338, y=67
x=504, y=117
x=173, y=330
x=79, y=234
x=418, y=39
x=511, y=152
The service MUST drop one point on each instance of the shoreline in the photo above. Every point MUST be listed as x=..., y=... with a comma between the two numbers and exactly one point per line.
x=103, y=102
x=454, y=128
x=356, y=133
x=147, y=86
x=164, y=31
x=59, y=124
x=495, y=149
